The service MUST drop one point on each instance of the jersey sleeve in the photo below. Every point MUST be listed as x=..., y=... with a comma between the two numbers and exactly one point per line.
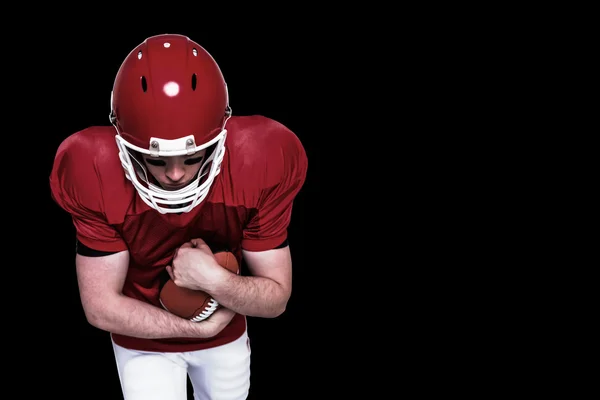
x=285, y=174
x=75, y=183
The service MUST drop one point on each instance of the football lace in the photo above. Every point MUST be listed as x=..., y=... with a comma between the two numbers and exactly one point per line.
x=210, y=308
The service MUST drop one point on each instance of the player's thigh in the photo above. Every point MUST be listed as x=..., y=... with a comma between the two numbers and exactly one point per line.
x=221, y=373
x=151, y=376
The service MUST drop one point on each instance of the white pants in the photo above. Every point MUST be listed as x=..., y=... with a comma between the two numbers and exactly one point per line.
x=219, y=373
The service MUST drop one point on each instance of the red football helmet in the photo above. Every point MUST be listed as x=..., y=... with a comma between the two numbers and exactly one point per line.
x=170, y=98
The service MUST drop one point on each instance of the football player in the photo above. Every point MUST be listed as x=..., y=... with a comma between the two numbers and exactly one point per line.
x=176, y=172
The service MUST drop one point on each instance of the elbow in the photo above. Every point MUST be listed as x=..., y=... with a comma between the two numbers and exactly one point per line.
x=280, y=308
x=278, y=311
x=94, y=318
x=271, y=313
x=95, y=314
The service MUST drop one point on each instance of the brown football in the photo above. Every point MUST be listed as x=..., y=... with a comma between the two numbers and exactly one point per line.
x=195, y=305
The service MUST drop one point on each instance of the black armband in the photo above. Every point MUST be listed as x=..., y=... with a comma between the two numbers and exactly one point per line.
x=282, y=245
x=83, y=250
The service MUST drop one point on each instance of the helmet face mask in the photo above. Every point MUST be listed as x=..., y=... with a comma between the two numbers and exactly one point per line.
x=170, y=99
x=172, y=201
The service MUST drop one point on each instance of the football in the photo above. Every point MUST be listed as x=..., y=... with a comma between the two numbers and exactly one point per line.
x=195, y=305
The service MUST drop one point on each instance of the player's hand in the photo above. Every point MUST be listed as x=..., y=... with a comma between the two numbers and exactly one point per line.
x=216, y=322
x=194, y=267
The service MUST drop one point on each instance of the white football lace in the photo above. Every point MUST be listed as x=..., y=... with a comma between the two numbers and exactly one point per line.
x=163, y=304
x=212, y=306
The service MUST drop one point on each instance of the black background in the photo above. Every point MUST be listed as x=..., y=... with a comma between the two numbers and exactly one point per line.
x=393, y=235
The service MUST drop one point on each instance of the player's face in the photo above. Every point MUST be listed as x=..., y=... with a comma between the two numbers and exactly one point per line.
x=174, y=172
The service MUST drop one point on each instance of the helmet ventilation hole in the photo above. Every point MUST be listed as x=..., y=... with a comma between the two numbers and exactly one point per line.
x=194, y=81
x=144, y=84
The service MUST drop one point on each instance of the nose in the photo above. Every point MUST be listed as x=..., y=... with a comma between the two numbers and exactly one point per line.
x=175, y=173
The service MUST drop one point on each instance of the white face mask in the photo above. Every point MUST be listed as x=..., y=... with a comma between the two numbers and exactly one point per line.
x=176, y=201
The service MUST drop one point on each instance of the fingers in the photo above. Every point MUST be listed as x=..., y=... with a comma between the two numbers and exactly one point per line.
x=198, y=242
x=194, y=243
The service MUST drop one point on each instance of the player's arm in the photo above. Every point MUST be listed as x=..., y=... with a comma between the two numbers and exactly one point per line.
x=101, y=282
x=266, y=292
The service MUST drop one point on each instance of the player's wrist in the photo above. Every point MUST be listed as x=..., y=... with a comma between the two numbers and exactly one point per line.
x=223, y=284
x=217, y=277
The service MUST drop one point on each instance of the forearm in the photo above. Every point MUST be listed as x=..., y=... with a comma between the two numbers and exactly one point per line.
x=251, y=295
x=127, y=316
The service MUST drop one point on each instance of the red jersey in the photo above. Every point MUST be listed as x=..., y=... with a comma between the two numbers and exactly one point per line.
x=248, y=207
